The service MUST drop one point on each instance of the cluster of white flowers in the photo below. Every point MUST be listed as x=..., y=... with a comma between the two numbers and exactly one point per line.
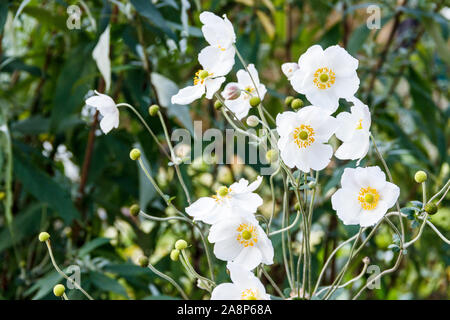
x=237, y=236
x=325, y=76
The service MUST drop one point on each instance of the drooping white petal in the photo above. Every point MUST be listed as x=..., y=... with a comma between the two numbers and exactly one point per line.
x=107, y=108
x=203, y=209
x=101, y=57
x=109, y=121
x=226, y=291
x=188, y=94
x=213, y=85
x=216, y=61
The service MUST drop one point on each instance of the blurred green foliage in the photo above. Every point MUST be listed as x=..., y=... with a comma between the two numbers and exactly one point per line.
x=46, y=71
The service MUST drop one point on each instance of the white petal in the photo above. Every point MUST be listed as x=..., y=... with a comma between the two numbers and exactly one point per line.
x=226, y=291
x=244, y=78
x=319, y=155
x=223, y=230
x=370, y=217
x=249, y=258
x=227, y=250
x=370, y=177
x=213, y=85
x=202, y=209
x=239, y=106
x=105, y=104
x=356, y=148
x=188, y=95
x=110, y=121
x=255, y=184
x=389, y=194
x=341, y=62
x=289, y=68
x=346, y=205
x=216, y=61
x=286, y=122
x=101, y=57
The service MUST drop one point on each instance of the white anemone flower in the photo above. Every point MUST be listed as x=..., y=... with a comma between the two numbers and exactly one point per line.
x=289, y=69
x=365, y=196
x=324, y=76
x=354, y=131
x=303, y=138
x=241, y=240
x=215, y=65
x=241, y=105
x=245, y=286
x=238, y=199
x=107, y=108
x=218, y=32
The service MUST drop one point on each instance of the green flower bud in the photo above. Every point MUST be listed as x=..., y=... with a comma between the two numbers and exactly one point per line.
x=153, y=110
x=297, y=104
x=271, y=155
x=297, y=206
x=174, y=254
x=43, y=236
x=222, y=191
x=252, y=121
x=59, y=290
x=420, y=176
x=135, y=154
x=134, y=210
x=255, y=101
x=181, y=244
x=2, y=195
x=143, y=261
x=288, y=100
x=218, y=104
x=431, y=208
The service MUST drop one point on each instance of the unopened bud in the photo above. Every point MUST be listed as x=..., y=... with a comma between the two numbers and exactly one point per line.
x=271, y=156
x=43, y=236
x=431, y=208
x=252, y=121
x=2, y=195
x=59, y=290
x=231, y=92
x=288, y=100
x=174, y=254
x=134, y=210
x=153, y=110
x=296, y=104
x=143, y=261
x=135, y=154
x=181, y=244
x=218, y=104
x=297, y=206
x=255, y=101
x=420, y=176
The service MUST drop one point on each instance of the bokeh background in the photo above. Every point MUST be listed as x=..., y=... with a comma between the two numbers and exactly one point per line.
x=60, y=174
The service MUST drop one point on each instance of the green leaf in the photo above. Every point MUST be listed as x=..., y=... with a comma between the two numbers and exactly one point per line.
x=92, y=245
x=44, y=188
x=106, y=283
x=148, y=10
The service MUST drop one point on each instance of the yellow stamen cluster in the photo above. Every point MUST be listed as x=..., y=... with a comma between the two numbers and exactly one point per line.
x=249, y=294
x=368, y=198
x=222, y=193
x=247, y=235
x=200, y=76
x=303, y=136
x=359, y=126
x=324, y=78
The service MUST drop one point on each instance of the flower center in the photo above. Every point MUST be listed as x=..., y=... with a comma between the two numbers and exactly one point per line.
x=368, y=198
x=200, y=76
x=249, y=294
x=222, y=193
x=247, y=235
x=359, y=126
x=324, y=78
x=304, y=136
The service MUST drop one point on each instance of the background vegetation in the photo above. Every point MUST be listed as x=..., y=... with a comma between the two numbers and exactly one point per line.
x=59, y=174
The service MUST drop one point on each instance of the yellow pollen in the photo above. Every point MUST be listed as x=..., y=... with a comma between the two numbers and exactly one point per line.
x=303, y=136
x=359, y=126
x=200, y=76
x=221, y=48
x=247, y=235
x=368, y=198
x=249, y=294
x=222, y=193
x=324, y=78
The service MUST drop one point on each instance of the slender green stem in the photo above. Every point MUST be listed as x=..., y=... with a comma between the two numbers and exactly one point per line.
x=388, y=172
x=75, y=284
x=169, y=279
x=192, y=270
x=145, y=125
x=272, y=282
x=174, y=158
